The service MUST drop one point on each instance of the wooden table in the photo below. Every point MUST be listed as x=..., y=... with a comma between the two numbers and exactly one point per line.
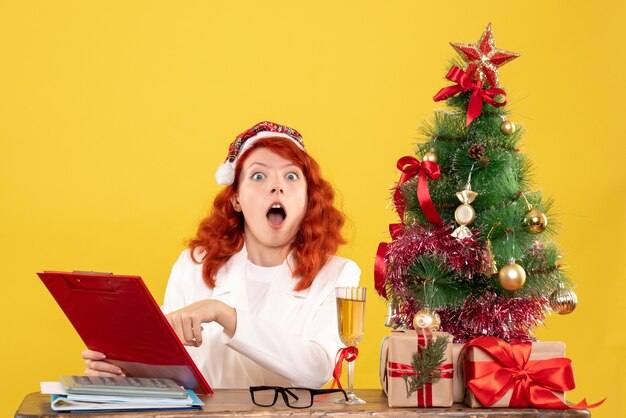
x=237, y=402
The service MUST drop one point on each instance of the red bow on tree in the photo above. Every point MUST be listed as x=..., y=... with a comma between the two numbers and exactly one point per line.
x=465, y=83
x=411, y=167
x=380, y=263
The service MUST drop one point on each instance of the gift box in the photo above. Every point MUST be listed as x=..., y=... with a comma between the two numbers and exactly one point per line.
x=498, y=374
x=458, y=384
x=384, y=354
x=400, y=380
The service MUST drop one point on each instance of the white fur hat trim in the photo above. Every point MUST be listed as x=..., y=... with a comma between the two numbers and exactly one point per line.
x=225, y=174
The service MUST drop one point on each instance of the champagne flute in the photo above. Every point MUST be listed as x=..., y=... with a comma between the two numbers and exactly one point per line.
x=350, y=321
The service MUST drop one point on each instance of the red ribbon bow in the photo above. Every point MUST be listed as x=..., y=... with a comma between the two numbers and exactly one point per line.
x=380, y=263
x=411, y=167
x=347, y=354
x=532, y=381
x=465, y=83
x=380, y=267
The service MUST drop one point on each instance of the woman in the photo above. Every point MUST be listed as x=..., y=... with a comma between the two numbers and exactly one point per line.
x=253, y=298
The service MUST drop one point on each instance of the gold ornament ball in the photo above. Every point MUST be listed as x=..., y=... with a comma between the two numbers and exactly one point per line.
x=512, y=276
x=430, y=156
x=563, y=301
x=507, y=128
x=536, y=220
x=424, y=319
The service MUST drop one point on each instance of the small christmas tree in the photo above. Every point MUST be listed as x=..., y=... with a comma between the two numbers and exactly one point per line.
x=473, y=253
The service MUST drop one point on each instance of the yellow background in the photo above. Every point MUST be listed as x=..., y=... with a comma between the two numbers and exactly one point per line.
x=114, y=116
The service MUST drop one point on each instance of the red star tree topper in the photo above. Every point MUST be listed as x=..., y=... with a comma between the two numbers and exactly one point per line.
x=483, y=58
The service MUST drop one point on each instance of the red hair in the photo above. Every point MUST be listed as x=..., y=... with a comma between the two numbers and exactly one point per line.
x=221, y=233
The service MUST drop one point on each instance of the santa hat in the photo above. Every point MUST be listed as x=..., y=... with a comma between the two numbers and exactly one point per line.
x=225, y=174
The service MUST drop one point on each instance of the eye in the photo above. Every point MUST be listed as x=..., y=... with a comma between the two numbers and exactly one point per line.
x=257, y=176
x=292, y=176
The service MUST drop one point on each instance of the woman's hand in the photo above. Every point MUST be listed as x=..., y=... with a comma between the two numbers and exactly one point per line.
x=187, y=322
x=97, y=366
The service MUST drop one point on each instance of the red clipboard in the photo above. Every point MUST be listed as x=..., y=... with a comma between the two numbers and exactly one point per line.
x=118, y=316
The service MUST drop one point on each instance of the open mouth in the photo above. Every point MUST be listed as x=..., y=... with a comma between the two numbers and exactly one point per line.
x=276, y=214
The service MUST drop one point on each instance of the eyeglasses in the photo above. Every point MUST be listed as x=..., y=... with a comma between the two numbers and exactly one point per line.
x=293, y=397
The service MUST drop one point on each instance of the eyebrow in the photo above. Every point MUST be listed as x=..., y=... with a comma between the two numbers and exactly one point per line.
x=265, y=165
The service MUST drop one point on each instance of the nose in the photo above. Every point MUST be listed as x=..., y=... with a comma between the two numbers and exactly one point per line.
x=277, y=185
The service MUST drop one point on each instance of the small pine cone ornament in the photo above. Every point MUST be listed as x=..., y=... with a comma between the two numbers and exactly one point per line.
x=476, y=152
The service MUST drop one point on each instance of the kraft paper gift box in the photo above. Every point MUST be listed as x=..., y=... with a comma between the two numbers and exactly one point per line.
x=396, y=358
x=384, y=354
x=479, y=367
x=458, y=384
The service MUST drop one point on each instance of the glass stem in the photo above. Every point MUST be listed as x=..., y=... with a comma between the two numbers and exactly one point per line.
x=350, y=378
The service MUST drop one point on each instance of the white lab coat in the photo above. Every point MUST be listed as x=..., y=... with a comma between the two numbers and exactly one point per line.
x=291, y=341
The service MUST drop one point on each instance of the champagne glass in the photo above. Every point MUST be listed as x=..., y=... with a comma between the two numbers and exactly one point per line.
x=350, y=320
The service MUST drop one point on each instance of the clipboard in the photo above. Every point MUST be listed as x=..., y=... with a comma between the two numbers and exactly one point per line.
x=118, y=316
